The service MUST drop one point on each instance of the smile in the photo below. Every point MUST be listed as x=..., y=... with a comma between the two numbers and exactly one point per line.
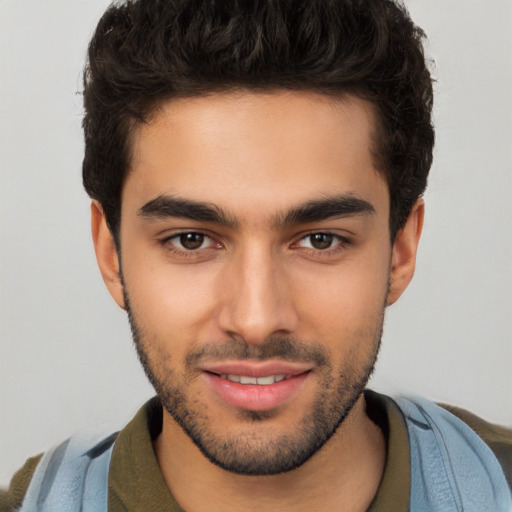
x=263, y=391
x=259, y=381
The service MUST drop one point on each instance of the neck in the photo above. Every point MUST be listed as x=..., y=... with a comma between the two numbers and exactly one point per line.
x=343, y=475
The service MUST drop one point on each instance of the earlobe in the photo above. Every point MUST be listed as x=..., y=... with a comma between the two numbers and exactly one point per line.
x=403, y=259
x=106, y=253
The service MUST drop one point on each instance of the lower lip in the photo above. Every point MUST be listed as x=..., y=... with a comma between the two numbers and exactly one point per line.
x=253, y=397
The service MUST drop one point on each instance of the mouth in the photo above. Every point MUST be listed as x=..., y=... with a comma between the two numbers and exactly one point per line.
x=257, y=381
x=256, y=386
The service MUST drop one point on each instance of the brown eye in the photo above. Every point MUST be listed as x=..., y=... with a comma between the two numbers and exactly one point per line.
x=191, y=241
x=321, y=241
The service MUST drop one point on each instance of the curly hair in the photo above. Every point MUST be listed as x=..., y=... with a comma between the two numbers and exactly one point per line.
x=145, y=52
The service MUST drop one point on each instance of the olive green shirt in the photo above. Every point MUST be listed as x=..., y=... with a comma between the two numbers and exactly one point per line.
x=136, y=483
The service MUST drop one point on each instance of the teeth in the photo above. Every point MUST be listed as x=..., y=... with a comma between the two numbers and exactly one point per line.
x=265, y=381
x=248, y=380
x=261, y=381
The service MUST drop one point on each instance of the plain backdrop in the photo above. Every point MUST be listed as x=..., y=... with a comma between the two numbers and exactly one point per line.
x=67, y=361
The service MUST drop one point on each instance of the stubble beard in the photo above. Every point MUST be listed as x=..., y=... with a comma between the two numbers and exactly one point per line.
x=252, y=453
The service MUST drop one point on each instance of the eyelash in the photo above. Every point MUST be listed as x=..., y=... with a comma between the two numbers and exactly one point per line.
x=340, y=244
x=186, y=253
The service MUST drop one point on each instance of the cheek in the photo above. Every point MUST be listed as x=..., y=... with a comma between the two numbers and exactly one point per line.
x=344, y=299
x=168, y=299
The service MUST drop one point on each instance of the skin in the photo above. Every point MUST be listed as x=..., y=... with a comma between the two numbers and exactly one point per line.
x=257, y=157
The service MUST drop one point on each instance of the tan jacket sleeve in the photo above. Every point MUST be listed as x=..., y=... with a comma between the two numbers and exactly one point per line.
x=11, y=499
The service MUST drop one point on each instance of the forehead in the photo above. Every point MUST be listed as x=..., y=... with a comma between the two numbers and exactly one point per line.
x=264, y=151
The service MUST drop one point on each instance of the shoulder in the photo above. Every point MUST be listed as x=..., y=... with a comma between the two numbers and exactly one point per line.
x=96, y=446
x=56, y=479
x=496, y=437
x=11, y=499
x=451, y=463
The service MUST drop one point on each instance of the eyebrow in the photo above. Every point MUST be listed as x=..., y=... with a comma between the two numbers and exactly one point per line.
x=323, y=209
x=165, y=206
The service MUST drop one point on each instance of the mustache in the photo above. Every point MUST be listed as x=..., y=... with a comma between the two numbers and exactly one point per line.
x=286, y=349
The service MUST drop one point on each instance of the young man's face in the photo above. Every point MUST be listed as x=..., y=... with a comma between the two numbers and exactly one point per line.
x=257, y=263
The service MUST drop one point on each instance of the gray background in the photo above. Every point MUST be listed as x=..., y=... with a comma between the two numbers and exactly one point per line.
x=66, y=360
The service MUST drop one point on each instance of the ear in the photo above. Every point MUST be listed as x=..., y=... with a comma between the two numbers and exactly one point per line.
x=403, y=258
x=106, y=253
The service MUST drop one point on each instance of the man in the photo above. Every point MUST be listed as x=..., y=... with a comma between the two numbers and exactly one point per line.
x=256, y=172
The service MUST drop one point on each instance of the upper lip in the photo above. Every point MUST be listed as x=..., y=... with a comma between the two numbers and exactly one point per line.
x=256, y=368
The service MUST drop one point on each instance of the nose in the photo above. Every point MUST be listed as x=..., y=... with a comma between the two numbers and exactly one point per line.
x=256, y=301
